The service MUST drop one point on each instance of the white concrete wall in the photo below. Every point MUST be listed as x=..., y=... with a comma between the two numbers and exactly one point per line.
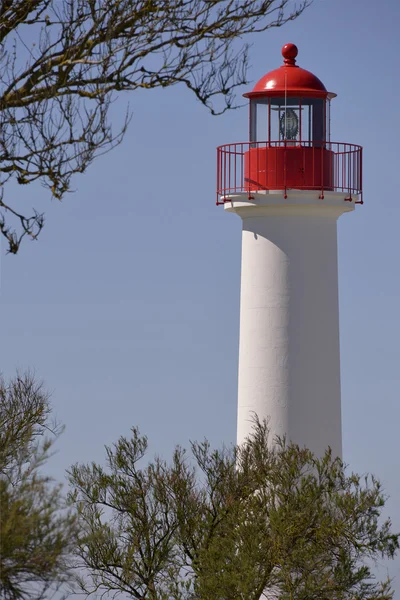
x=289, y=360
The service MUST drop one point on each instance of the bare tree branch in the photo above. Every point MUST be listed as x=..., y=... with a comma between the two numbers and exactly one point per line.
x=56, y=91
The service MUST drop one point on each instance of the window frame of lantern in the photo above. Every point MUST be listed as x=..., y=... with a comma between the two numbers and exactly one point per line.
x=316, y=117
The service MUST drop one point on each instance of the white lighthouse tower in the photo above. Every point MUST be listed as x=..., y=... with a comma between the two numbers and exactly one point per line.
x=289, y=184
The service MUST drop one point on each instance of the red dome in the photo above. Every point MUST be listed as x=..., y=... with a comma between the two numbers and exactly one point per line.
x=290, y=79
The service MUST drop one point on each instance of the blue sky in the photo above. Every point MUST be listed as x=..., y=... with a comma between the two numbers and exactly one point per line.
x=128, y=305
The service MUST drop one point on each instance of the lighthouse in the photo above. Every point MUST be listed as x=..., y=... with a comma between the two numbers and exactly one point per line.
x=289, y=184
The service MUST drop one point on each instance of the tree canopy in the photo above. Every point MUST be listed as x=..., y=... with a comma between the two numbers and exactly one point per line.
x=37, y=533
x=233, y=524
x=61, y=64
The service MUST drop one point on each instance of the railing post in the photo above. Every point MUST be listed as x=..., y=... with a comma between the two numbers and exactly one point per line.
x=285, y=171
x=218, y=175
x=249, y=171
x=224, y=171
x=321, y=150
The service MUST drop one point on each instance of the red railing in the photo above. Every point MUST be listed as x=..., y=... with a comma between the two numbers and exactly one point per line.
x=248, y=167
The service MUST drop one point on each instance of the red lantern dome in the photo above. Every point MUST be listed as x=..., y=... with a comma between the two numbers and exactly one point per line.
x=290, y=79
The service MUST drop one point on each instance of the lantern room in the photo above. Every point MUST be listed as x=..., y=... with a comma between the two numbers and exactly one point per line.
x=290, y=105
x=289, y=143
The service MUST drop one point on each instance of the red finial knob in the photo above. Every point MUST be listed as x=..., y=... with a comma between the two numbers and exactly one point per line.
x=289, y=53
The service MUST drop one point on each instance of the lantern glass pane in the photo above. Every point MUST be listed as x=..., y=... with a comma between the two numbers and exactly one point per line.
x=285, y=120
x=259, y=120
x=313, y=117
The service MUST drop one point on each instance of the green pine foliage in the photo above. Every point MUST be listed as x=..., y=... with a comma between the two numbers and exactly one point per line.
x=230, y=524
x=36, y=532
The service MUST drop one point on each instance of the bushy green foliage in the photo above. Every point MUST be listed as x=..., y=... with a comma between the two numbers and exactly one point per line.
x=36, y=532
x=230, y=524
